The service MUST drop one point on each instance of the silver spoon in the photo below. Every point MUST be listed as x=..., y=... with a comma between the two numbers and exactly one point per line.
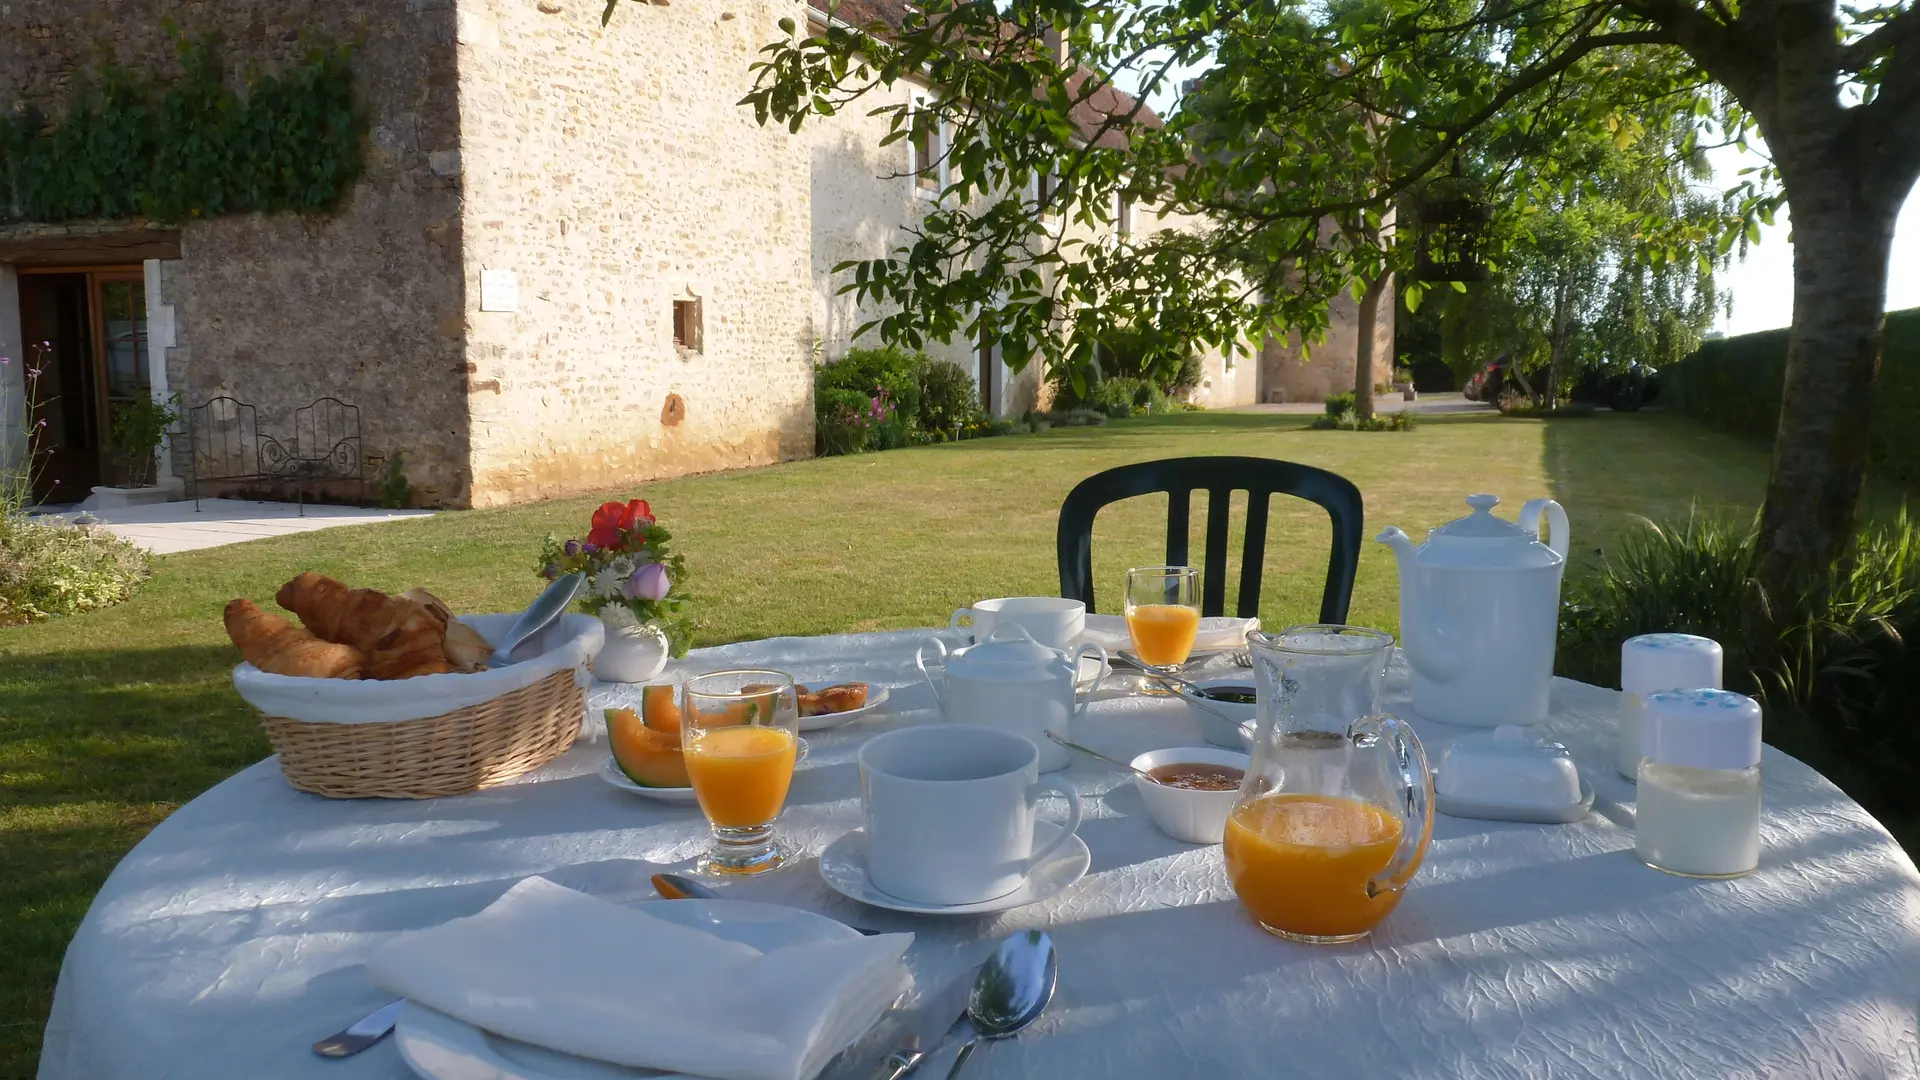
x=1092, y=753
x=546, y=607
x=1190, y=692
x=1013, y=989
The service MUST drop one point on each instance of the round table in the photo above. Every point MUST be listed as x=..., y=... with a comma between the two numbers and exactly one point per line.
x=233, y=936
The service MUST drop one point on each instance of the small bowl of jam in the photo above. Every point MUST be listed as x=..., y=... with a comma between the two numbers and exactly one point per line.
x=1192, y=791
x=1223, y=704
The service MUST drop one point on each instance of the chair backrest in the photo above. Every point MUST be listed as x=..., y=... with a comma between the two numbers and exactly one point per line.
x=1219, y=477
x=222, y=439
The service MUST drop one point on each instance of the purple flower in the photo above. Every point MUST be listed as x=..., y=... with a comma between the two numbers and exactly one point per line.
x=590, y=548
x=572, y=548
x=649, y=582
x=550, y=572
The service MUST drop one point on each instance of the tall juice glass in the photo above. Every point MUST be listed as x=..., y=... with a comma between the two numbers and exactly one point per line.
x=1163, y=614
x=740, y=733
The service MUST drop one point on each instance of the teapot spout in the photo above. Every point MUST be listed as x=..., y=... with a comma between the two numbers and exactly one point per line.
x=1430, y=649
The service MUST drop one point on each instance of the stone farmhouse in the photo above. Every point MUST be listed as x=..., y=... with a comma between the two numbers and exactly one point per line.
x=571, y=261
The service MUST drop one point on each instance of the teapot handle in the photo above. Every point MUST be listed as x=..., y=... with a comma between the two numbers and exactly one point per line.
x=1560, y=542
x=920, y=661
x=1415, y=798
x=1086, y=699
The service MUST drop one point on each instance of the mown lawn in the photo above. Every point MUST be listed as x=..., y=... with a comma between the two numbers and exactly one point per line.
x=111, y=720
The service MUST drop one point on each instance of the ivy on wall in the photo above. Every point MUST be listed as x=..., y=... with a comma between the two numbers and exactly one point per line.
x=190, y=147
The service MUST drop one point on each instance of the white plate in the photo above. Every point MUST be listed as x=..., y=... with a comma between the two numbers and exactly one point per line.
x=876, y=697
x=610, y=772
x=844, y=867
x=439, y=1047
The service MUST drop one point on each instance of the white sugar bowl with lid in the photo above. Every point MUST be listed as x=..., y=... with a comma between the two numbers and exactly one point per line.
x=1012, y=682
x=1649, y=664
x=1479, y=610
x=1698, y=808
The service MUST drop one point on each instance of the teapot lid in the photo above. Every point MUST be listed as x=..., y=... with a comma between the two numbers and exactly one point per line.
x=1482, y=540
x=1008, y=654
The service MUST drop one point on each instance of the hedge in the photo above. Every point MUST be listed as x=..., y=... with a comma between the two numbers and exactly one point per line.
x=1735, y=383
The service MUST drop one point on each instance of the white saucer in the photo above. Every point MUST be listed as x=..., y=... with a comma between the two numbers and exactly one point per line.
x=439, y=1047
x=876, y=697
x=610, y=772
x=844, y=868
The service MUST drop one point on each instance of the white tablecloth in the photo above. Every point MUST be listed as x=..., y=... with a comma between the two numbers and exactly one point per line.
x=234, y=934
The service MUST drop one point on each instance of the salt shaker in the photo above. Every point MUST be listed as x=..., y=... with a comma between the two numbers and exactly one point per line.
x=1698, y=812
x=1649, y=664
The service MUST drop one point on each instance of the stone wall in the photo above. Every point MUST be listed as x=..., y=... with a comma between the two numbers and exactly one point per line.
x=610, y=170
x=1326, y=367
x=278, y=310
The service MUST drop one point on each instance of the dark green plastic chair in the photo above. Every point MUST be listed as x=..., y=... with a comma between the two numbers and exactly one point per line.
x=1219, y=477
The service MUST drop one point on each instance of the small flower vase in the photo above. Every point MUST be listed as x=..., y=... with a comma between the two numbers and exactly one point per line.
x=631, y=654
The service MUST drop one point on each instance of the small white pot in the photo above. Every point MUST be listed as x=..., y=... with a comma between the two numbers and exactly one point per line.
x=1194, y=817
x=631, y=654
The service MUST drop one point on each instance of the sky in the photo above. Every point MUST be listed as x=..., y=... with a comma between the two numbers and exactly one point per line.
x=1762, y=284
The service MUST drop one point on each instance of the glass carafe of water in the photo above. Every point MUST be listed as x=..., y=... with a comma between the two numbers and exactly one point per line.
x=1336, y=808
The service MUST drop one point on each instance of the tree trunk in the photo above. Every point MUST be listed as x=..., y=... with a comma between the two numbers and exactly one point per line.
x=1840, y=255
x=1557, y=349
x=1363, y=345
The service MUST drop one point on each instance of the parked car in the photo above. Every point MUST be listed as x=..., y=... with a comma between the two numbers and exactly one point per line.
x=1487, y=383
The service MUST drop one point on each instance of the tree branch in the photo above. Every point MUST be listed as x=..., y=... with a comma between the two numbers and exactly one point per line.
x=1900, y=32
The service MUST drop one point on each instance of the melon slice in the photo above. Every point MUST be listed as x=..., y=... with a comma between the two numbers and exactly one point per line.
x=659, y=710
x=649, y=758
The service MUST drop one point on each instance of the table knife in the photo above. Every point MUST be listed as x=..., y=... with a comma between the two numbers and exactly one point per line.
x=369, y=1030
x=680, y=887
x=931, y=1024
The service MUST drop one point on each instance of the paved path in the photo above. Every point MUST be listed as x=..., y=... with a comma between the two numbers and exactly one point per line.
x=163, y=528
x=1428, y=405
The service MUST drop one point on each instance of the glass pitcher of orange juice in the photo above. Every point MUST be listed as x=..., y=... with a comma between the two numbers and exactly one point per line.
x=1336, y=808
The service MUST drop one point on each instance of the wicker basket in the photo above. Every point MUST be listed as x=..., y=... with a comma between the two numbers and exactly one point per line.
x=447, y=754
x=435, y=735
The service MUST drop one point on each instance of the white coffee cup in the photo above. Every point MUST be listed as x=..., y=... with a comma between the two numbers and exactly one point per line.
x=1052, y=621
x=950, y=812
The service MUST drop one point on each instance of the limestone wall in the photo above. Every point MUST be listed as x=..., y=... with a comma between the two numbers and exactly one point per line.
x=363, y=305
x=1326, y=367
x=610, y=170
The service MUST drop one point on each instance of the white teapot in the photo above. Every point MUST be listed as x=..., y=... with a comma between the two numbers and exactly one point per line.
x=1479, y=609
x=1012, y=682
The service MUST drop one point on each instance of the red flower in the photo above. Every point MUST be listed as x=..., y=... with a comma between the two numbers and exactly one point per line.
x=613, y=522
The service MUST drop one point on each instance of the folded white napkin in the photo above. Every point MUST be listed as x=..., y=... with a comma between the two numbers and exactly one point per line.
x=550, y=966
x=1216, y=632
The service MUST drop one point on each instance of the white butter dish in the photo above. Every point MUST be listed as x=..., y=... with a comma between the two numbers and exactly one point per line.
x=1504, y=775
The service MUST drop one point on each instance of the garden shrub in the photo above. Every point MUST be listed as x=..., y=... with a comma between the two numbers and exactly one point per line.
x=839, y=418
x=1341, y=403
x=1520, y=405
x=948, y=397
x=1149, y=399
x=1735, y=384
x=1837, y=681
x=864, y=371
x=1350, y=421
x=1075, y=417
x=50, y=568
x=1114, y=396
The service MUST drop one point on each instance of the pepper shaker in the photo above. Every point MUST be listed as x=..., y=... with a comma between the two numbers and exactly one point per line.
x=1649, y=664
x=1698, y=812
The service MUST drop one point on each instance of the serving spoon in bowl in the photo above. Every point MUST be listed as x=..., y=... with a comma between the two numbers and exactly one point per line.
x=548, y=606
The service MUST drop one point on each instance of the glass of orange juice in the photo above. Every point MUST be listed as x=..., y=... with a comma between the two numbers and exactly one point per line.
x=1163, y=614
x=740, y=731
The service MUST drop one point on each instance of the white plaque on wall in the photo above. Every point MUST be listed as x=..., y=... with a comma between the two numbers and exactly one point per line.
x=499, y=290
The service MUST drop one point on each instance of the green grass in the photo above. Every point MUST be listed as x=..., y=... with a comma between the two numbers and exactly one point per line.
x=109, y=721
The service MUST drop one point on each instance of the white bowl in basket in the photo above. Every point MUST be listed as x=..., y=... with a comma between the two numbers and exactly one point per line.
x=572, y=641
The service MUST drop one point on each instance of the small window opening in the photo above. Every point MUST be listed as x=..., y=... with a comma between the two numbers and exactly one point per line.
x=926, y=150
x=686, y=325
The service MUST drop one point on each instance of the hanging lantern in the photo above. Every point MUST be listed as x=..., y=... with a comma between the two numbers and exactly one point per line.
x=1451, y=219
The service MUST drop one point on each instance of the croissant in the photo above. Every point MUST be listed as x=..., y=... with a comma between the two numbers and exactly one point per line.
x=466, y=649
x=275, y=645
x=416, y=645
x=356, y=617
